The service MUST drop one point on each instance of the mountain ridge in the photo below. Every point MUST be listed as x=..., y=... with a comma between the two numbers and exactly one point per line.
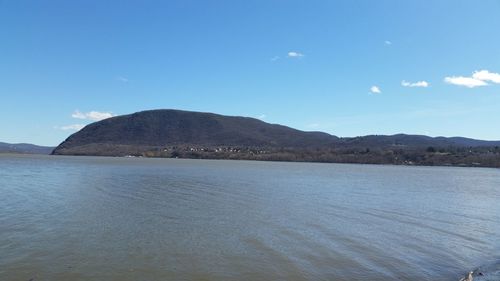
x=166, y=126
x=188, y=134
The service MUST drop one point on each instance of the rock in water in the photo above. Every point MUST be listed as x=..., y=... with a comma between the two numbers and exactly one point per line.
x=468, y=277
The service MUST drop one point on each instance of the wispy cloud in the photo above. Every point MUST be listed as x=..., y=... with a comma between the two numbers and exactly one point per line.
x=72, y=127
x=478, y=78
x=375, y=90
x=423, y=84
x=275, y=58
x=293, y=54
x=313, y=126
x=92, y=115
x=468, y=82
x=122, y=79
x=387, y=42
x=262, y=117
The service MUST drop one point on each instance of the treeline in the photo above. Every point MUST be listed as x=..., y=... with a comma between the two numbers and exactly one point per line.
x=431, y=156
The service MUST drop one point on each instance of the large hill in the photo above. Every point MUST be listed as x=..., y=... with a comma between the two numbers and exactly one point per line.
x=128, y=134
x=176, y=133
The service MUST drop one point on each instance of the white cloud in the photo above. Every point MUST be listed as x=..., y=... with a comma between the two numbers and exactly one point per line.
x=122, y=79
x=275, y=58
x=478, y=78
x=387, y=42
x=295, y=55
x=468, y=82
x=92, y=115
x=375, y=90
x=423, y=84
x=78, y=115
x=72, y=127
x=485, y=75
x=262, y=117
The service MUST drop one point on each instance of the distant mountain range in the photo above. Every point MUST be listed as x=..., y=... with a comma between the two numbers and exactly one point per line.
x=24, y=148
x=176, y=133
x=416, y=141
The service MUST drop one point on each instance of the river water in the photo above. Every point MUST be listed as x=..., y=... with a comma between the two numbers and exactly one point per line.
x=97, y=218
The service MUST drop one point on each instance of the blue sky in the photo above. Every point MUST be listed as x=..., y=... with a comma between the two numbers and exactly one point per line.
x=348, y=68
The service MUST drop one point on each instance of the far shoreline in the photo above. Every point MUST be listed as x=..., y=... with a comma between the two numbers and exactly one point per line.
x=249, y=160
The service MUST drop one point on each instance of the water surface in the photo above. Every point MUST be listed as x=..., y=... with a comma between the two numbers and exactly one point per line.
x=92, y=218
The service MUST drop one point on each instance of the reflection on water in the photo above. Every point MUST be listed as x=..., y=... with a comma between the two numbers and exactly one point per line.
x=90, y=218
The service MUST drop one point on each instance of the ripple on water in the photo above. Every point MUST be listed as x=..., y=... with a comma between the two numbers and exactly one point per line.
x=63, y=218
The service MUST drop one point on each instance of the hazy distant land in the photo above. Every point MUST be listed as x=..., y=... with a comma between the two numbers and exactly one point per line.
x=24, y=148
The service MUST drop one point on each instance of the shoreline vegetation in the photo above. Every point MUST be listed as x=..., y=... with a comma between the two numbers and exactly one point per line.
x=430, y=156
